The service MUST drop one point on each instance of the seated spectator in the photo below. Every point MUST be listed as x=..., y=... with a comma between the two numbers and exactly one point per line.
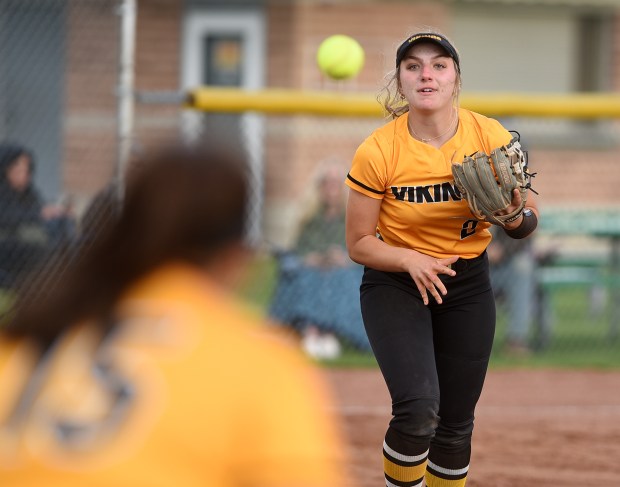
x=28, y=227
x=318, y=288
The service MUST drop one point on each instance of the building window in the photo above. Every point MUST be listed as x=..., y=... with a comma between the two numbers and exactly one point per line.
x=561, y=51
x=223, y=56
x=594, y=54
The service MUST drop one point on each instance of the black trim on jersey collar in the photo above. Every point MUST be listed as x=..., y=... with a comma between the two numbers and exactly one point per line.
x=363, y=185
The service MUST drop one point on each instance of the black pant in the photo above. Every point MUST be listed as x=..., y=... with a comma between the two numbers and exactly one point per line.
x=434, y=358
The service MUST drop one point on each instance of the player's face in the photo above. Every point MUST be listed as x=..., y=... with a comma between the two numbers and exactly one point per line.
x=18, y=175
x=428, y=78
x=332, y=188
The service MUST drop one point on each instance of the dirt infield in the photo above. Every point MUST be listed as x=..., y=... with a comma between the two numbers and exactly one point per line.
x=543, y=428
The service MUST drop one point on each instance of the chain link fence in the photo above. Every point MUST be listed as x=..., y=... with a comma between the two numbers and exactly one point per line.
x=58, y=127
x=556, y=292
x=61, y=123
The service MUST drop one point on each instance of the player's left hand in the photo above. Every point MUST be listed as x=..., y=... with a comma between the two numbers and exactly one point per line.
x=514, y=204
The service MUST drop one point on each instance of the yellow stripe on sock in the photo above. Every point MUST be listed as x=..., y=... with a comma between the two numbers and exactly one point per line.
x=403, y=474
x=434, y=481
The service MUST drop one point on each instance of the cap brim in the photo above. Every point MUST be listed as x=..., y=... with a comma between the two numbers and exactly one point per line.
x=426, y=37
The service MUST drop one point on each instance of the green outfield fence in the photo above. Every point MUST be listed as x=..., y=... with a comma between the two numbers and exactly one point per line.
x=72, y=92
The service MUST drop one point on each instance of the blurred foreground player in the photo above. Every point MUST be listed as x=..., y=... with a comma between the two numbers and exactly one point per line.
x=139, y=368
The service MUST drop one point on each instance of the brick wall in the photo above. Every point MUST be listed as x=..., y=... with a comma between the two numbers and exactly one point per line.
x=91, y=120
x=90, y=101
x=294, y=146
x=295, y=31
x=158, y=50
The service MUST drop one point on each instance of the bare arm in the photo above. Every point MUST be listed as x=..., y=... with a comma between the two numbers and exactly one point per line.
x=366, y=249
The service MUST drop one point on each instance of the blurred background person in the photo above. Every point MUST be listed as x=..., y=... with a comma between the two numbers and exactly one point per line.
x=513, y=267
x=318, y=287
x=140, y=367
x=29, y=228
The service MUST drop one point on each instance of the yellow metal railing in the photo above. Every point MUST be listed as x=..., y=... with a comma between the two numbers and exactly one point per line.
x=582, y=106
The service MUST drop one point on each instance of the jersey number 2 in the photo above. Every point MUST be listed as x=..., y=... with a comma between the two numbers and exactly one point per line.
x=469, y=228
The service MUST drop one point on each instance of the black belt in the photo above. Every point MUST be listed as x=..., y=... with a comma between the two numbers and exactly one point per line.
x=464, y=264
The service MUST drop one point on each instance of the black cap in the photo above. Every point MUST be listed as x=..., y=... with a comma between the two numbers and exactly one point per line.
x=427, y=37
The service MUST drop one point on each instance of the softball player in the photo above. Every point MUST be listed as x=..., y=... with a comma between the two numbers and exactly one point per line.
x=139, y=369
x=426, y=297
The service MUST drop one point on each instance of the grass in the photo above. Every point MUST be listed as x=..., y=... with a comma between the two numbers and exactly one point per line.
x=580, y=334
x=6, y=301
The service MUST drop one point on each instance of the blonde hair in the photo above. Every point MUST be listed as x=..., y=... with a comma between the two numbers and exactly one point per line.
x=390, y=96
x=330, y=167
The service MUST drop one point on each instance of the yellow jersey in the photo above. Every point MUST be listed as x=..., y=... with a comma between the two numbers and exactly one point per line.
x=189, y=390
x=421, y=207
